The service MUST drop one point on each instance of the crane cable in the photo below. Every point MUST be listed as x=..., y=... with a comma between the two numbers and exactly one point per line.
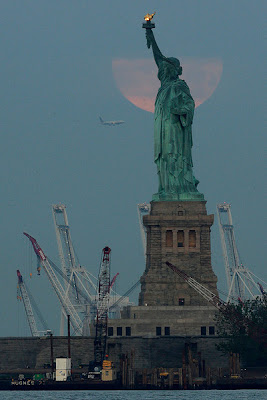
x=125, y=295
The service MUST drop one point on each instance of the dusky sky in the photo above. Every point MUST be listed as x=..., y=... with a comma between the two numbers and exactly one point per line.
x=56, y=79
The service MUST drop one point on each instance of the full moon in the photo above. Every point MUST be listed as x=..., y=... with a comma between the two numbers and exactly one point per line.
x=137, y=79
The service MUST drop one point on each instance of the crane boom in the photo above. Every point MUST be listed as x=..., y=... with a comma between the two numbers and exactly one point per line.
x=104, y=286
x=79, y=280
x=240, y=280
x=64, y=242
x=221, y=305
x=31, y=308
x=102, y=307
x=60, y=292
x=202, y=290
x=143, y=209
x=230, y=252
x=27, y=304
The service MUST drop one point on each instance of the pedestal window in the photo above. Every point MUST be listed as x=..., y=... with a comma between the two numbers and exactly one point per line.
x=211, y=330
x=203, y=331
x=167, y=331
x=192, y=239
x=158, y=330
x=180, y=239
x=169, y=238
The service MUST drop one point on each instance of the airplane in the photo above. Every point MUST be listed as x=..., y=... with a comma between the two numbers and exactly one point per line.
x=111, y=123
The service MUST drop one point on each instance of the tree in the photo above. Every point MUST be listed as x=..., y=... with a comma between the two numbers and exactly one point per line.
x=243, y=329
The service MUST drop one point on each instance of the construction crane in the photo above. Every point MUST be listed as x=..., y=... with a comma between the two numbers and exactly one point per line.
x=78, y=287
x=240, y=280
x=221, y=305
x=79, y=278
x=24, y=294
x=202, y=290
x=65, y=302
x=104, y=287
x=67, y=256
x=143, y=209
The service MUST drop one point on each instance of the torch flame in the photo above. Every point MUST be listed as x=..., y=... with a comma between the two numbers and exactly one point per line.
x=148, y=17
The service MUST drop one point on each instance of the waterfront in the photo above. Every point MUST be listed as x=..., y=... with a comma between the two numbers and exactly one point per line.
x=138, y=395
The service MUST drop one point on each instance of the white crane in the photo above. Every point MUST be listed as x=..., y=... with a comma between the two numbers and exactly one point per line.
x=23, y=295
x=29, y=304
x=78, y=291
x=81, y=285
x=143, y=209
x=80, y=280
x=65, y=302
x=255, y=332
x=240, y=280
x=62, y=229
x=202, y=290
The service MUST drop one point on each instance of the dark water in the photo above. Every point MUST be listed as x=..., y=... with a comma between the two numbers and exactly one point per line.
x=138, y=395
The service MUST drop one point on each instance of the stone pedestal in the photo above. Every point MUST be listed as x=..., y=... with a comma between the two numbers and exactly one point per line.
x=178, y=232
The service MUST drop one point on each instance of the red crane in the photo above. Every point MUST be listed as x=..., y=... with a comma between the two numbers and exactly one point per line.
x=66, y=304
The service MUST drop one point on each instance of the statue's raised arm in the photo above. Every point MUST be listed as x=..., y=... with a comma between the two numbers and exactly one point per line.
x=151, y=41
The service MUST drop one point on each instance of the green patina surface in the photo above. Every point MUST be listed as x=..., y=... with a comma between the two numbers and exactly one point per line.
x=174, y=112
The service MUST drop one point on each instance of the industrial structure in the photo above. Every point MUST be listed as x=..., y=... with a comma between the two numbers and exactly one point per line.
x=143, y=209
x=79, y=279
x=23, y=294
x=202, y=290
x=76, y=288
x=242, y=283
x=64, y=300
x=175, y=232
x=101, y=324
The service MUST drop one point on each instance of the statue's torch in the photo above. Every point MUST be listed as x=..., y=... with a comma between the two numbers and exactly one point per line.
x=148, y=24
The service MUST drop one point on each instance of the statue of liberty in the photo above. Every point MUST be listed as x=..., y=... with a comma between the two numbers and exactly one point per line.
x=174, y=111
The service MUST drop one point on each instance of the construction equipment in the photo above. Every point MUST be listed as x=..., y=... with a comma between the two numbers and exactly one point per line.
x=202, y=290
x=29, y=303
x=240, y=280
x=80, y=285
x=23, y=294
x=80, y=280
x=237, y=317
x=143, y=209
x=62, y=229
x=78, y=290
x=104, y=287
x=65, y=302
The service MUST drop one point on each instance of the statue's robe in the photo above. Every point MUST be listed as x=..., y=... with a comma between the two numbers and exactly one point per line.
x=173, y=138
